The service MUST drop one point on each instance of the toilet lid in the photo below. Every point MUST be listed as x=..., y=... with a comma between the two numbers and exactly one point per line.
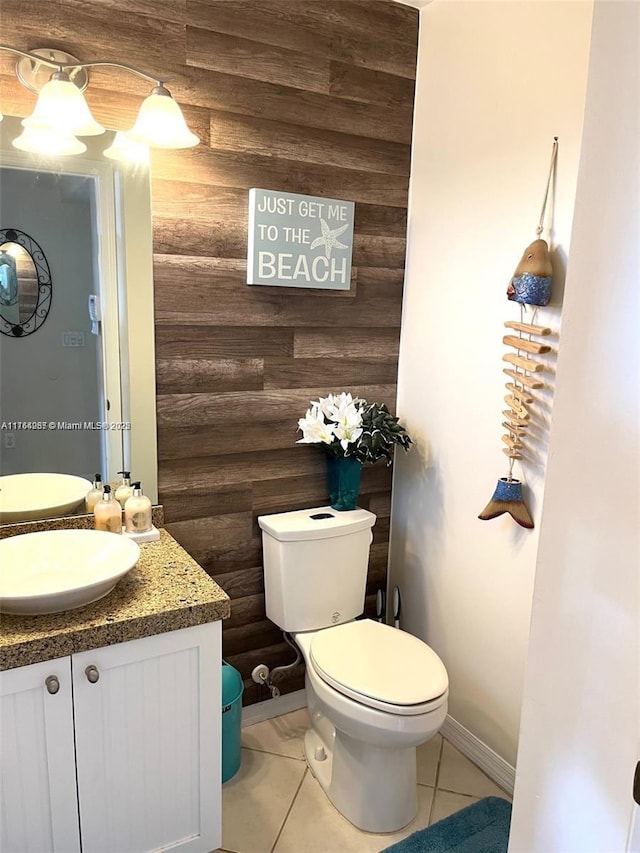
x=371, y=661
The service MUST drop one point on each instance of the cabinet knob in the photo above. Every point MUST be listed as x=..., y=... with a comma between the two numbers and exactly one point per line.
x=92, y=673
x=53, y=685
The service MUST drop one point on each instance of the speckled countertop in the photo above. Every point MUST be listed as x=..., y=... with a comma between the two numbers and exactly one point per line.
x=165, y=591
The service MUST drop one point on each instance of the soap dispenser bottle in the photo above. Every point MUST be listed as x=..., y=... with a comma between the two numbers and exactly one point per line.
x=95, y=493
x=108, y=513
x=125, y=489
x=137, y=512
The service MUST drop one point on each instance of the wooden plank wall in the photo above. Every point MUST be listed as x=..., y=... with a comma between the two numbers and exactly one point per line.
x=309, y=96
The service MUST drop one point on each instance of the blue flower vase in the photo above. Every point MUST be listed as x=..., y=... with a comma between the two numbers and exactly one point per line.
x=343, y=479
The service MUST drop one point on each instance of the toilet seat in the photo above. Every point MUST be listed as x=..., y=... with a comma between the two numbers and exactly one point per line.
x=380, y=667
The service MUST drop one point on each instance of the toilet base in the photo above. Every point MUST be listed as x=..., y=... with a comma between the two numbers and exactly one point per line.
x=373, y=787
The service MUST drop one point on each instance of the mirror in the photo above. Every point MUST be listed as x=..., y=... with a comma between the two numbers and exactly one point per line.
x=25, y=284
x=77, y=393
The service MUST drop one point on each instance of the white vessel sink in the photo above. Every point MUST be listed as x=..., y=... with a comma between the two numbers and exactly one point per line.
x=27, y=497
x=58, y=570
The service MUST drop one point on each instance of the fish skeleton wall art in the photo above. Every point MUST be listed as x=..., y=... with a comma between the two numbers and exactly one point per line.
x=530, y=285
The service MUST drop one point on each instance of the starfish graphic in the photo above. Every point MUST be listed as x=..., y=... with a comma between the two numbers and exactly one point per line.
x=329, y=238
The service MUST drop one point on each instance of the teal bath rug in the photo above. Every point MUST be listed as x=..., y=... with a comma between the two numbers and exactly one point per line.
x=480, y=828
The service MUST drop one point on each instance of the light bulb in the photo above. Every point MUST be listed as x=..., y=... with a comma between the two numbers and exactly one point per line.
x=126, y=149
x=48, y=143
x=160, y=123
x=61, y=106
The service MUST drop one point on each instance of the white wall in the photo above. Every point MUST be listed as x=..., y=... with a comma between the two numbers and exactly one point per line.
x=496, y=82
x=580, y=728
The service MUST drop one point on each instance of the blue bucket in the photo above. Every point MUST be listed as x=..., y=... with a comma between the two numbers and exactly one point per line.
x=232, y=690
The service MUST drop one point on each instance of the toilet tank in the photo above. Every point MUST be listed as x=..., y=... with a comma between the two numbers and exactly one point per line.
x=315, y=566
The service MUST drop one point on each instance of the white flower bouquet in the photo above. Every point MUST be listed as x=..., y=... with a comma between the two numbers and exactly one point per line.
x=347, y=427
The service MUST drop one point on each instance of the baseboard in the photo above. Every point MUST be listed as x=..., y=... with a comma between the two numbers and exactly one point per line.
x=260, y=711
x=483, y=756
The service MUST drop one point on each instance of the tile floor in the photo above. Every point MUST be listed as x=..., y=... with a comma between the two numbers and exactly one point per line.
x=274, y=805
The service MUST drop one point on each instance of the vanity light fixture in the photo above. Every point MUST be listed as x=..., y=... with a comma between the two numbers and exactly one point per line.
x=61, y=113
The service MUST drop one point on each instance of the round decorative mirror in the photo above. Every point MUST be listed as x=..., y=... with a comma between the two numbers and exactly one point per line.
x=25, y=284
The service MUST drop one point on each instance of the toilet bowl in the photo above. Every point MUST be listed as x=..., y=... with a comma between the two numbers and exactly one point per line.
x=374, y=694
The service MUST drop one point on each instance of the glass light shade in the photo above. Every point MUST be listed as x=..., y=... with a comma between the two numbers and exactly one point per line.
x=127, y=149
x=160, y=123
x=13, y=249
x=48, y=142
x=61, y=106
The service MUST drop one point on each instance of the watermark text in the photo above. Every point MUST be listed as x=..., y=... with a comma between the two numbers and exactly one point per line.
x=15, y=426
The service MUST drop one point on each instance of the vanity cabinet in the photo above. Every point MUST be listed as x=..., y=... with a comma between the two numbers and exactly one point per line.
x=115, y=749
x=40, y=809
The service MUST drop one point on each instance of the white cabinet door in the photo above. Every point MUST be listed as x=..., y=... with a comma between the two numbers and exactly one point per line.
x=37, y=760
x=148, y=743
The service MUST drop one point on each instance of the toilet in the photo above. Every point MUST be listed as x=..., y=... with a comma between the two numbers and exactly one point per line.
x=374, y=692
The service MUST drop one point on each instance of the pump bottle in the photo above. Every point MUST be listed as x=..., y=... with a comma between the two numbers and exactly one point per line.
x=125, y=489
x=95, y=493
x=137, y=512
x=108, y=513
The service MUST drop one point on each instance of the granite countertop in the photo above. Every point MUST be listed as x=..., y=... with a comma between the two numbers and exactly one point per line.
x=165, y=591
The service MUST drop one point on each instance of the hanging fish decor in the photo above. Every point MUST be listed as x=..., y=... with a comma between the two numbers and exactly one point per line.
x=530, y=285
